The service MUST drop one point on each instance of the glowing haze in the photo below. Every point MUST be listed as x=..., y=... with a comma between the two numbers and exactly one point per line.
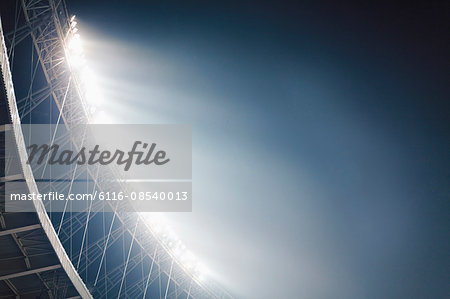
x=315, y=169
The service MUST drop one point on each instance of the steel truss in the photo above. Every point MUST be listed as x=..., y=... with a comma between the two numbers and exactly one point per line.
x=127, y=258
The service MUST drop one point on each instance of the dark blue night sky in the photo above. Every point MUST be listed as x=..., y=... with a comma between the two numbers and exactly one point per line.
x=321, y=136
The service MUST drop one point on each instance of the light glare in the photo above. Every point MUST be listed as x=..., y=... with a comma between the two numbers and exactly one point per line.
x=185, y=257
x=89, y=84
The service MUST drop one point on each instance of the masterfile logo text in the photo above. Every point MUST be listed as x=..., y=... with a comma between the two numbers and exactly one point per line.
x=141, y=153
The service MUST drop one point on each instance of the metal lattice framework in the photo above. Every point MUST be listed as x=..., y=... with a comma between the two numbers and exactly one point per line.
x=95, y=254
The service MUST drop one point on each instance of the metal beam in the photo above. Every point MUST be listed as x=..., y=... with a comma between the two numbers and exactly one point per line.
x=19, y=229
x=9, y=178
x=28, y=174
x=29, y=272
x=12, y=287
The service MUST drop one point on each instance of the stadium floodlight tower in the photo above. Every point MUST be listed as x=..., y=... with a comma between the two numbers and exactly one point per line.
x=84, y=254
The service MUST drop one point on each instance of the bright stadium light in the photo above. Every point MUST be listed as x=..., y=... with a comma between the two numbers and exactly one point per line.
x=86, y=78
x=75, y=44
x=77, y=61
x=175, y=246
x=74, y=51
x=93, y=95
x=87, y=81
x=200, y=272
